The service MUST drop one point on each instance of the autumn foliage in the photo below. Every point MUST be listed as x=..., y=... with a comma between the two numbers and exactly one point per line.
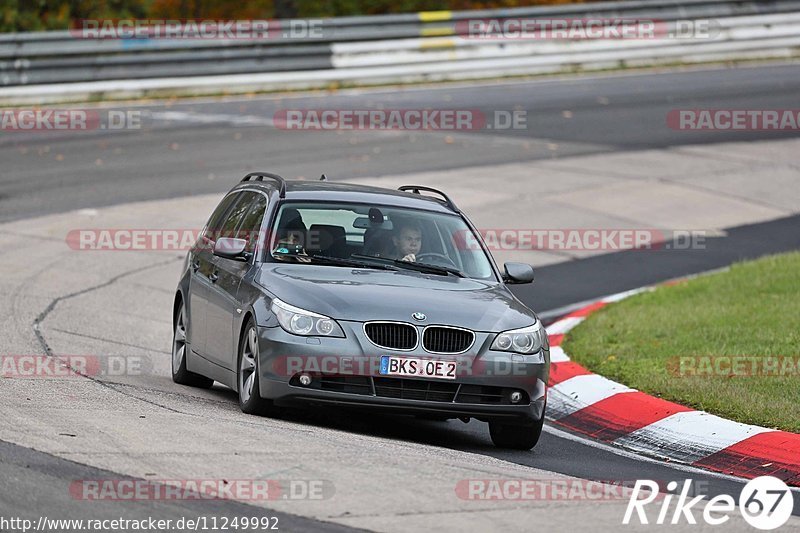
x=37, y=15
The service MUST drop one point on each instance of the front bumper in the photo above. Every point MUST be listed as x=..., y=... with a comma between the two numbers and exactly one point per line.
x=345, y=371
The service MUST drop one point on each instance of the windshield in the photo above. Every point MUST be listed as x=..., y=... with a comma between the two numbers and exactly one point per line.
x=377, y=236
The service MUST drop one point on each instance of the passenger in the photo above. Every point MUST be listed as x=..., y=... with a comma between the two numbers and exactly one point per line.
x=407, y=240
x=290, y=236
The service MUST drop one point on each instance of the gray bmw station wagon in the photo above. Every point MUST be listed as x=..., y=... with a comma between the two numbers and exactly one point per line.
x=301, y=292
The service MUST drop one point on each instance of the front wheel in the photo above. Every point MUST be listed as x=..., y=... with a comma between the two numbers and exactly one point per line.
x=180, y=348
x=250, y=400
x=516, y=436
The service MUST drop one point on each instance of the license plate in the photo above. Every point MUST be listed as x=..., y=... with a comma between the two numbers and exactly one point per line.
x=421, y=368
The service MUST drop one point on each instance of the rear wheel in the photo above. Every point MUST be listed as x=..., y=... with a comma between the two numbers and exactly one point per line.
x=179, y=353
x=516, y=436
x=250, y=399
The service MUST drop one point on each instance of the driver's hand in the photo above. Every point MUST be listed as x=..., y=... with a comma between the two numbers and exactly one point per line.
x=410, y=258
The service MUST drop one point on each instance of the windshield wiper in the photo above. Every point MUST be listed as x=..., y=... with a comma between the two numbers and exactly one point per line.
x=338, y=261
x=419, y=267
x=432, y=268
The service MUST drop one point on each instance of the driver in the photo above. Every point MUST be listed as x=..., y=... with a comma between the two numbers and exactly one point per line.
x=407, y=240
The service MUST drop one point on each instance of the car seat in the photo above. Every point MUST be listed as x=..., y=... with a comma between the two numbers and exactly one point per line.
x=325, y=239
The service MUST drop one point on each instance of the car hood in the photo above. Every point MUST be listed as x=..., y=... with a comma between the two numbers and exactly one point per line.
x=362, y=295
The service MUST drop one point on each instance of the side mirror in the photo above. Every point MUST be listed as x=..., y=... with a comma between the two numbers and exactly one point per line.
x=231, y=248
x=518, y=273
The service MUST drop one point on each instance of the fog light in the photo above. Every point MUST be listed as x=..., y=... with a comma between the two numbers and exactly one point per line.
x=305, y=380
x=516, y=396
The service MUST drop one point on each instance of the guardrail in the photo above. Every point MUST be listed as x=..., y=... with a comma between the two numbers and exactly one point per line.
x=391, y=48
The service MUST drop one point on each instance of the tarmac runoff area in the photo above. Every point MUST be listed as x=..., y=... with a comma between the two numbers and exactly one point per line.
x=134, y=421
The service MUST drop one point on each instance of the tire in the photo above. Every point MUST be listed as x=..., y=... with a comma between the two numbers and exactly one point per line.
x=179, y=352
x=516, y=436
x=247, y=367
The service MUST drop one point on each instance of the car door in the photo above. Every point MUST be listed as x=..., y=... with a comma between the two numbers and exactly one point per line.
x=250, y=230
x=225, y=279
x=201, y=263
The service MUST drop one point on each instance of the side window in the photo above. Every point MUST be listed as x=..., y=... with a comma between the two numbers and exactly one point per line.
x=236, y=214
x=250, y=227
x=215, y=222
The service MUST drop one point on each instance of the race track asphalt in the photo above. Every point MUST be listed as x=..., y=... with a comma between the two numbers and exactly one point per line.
x=193, y=147
x=197, y=147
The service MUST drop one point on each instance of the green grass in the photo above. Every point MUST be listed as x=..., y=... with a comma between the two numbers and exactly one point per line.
x=751, y=310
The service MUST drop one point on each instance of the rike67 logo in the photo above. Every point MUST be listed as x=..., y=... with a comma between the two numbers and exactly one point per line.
x=765, y=503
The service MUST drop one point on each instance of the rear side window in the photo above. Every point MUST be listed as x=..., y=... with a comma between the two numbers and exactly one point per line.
x=250, y=227
x=236, y=214
x=215, y=222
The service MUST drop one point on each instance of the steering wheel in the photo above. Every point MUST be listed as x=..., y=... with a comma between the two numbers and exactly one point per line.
x=441, y=257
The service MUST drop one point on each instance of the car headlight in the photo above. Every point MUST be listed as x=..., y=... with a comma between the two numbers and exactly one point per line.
x=524, y=340
x=301, y=322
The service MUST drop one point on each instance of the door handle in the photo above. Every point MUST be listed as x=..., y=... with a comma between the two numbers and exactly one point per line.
x=195, y=265
x=214, y=276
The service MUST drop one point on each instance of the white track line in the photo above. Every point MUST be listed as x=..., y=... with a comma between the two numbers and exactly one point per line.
x=693, y=435
x=578, y=392
x=557, y=355
x=564, y=325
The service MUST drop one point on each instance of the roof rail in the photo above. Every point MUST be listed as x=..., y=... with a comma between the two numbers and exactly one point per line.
x=445, y=199
x=259, y=176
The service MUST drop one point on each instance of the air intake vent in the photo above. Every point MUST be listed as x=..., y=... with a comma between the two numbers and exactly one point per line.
x=441, y=339
x=392, y=335
x=409, y=389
